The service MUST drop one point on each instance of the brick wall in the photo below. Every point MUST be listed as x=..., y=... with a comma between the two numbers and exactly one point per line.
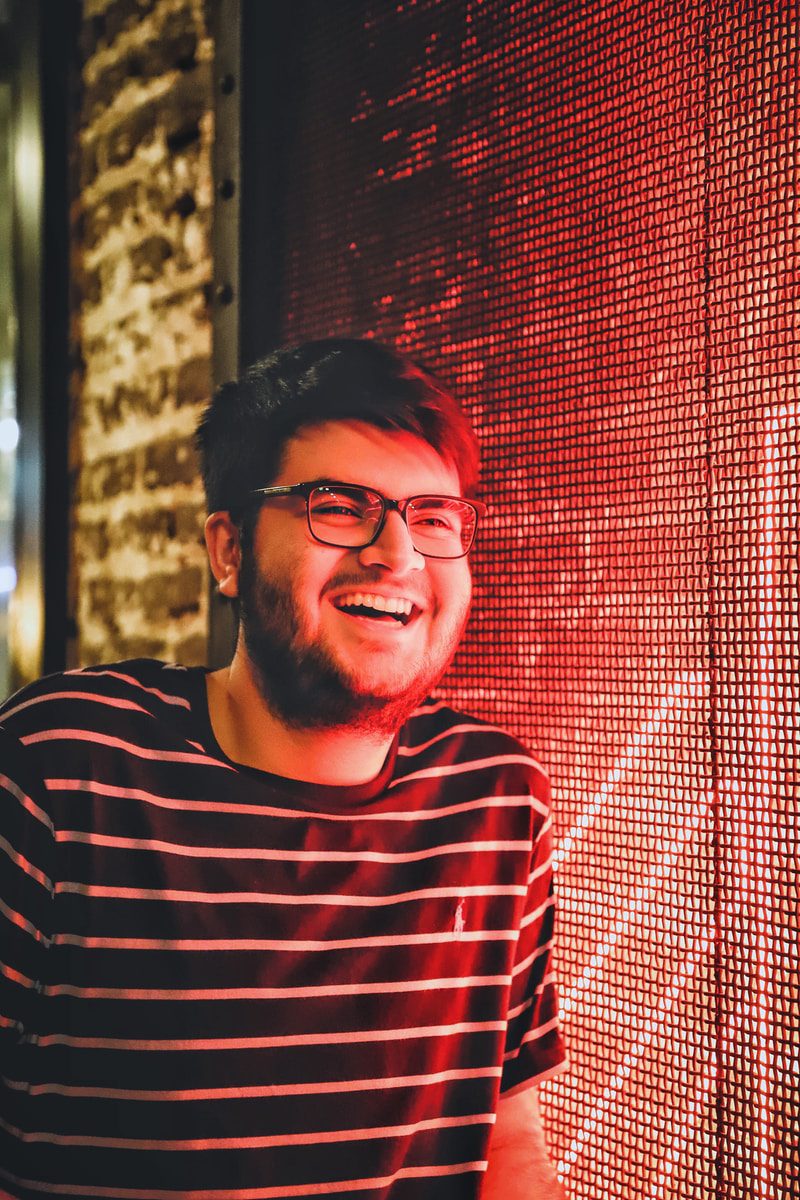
x=142, y=331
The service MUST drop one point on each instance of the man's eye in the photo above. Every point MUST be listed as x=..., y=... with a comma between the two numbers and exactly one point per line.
x=435, y=521
x=337, y=510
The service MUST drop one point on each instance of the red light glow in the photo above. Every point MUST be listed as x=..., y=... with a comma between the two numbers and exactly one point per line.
x=585, y=217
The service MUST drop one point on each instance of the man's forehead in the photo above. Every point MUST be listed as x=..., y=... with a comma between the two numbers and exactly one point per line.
x=353, y=451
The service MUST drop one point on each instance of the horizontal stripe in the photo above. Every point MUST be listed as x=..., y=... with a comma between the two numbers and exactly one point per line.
x=539, y=1031
x=410, y=751
x=427, y=709
x=177, y=804
x=17, y=919
x=537, y=912
x=523, y=966
x=275, y=993
x=176, y=896
x=534, y=1080
x=246, y=852
x=81, y=735
x=26, y=802
x=266, y=1141
x=477, y=764
x=92, y=697
x=532, y=1036
x=16, y=976
x=547, y=824
x=335, y=1037
x=88, y=673
x=24, y=864
x=540, y=989
x=170, y=1095
x=542, y=869
x=529, y=1002
x=114, y=743
x=187, y=945
x=251, y=1193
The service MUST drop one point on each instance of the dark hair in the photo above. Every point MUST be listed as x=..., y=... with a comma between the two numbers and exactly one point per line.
x=244, y=430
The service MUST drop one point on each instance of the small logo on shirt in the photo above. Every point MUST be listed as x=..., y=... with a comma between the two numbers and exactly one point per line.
x=458, y=920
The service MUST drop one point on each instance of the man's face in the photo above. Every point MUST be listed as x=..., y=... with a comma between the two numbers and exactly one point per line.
x=318, y=665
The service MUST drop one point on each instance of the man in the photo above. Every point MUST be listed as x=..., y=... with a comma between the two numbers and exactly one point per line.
x=283, y=929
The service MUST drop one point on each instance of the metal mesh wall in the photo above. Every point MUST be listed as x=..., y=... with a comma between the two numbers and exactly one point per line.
x=585, y=217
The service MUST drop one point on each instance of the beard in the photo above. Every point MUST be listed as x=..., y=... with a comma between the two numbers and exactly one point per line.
x=301, y=682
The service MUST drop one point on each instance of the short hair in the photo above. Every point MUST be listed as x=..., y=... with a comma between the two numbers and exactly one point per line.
x=243, y=432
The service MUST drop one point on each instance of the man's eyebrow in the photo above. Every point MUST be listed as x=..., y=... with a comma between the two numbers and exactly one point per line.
x=329, y=479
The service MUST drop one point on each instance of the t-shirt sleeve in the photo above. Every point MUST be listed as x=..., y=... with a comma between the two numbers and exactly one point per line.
x=26, y=855
x=534, y=1047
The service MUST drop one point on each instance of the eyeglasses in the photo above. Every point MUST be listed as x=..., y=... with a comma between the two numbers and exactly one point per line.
x=346, y=515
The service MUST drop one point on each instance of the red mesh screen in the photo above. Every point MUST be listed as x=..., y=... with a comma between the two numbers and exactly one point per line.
x=584, y=216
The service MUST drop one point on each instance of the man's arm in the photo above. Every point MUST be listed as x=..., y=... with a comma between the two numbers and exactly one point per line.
x=519, y=1167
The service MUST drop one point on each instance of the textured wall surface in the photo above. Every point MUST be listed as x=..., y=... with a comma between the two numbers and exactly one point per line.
x=142, y=329
x=585, y=215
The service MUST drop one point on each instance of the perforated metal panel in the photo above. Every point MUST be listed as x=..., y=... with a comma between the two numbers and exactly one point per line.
x=585, y=217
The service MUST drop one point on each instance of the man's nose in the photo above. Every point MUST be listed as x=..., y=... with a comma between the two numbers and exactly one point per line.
x=393, y=547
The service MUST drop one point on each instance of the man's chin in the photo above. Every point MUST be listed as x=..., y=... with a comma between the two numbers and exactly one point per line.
x=379, y=686
x=384, y=684
x=380, y=714
x=381, y=700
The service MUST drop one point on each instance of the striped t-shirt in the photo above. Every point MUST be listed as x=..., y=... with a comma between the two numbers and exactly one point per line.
x=220, y=983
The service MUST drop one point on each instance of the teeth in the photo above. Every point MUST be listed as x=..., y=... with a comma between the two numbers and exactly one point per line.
x=380, y=603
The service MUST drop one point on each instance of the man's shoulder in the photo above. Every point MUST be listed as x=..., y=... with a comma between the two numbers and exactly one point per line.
x=438, y=728
x=132, y=685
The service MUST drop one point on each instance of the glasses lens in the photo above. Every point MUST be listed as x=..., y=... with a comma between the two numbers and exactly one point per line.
x=343, y=516
x=441, y=527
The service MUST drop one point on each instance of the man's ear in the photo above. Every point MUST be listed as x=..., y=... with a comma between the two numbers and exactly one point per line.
x=224, y=552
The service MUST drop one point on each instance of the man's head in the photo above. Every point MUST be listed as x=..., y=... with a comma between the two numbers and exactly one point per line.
x=354, y=412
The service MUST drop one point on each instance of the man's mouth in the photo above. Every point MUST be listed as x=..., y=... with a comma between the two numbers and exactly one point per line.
x=387, y=609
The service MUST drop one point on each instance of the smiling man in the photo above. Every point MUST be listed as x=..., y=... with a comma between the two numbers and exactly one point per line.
x=284, y=929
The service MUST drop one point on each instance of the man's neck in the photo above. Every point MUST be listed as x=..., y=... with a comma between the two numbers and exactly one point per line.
x=250, y=734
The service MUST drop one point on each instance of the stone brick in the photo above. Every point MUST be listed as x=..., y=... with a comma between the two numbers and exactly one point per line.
x=165, y=597
x=117, y=146
x=108, y=213
x=92, y=36
x=167, y=192
x=182, y=131
x=151, y=531
x=92, y=541
x=90, y=286
x=125, y=14
x=185, y=205
x=110, y=596
x=193, y=383
x=187, y=104
x=109, y=410
x=191, y=651
x=136, y=647
x=130, y=399
x=108, y=477
x=101, y=92
x=173, y=46
x=170, y=461
x=148, y=258
x=87, y=164
x=189, y=523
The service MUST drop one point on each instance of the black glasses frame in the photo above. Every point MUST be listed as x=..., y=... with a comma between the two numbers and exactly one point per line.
x=387, y=505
